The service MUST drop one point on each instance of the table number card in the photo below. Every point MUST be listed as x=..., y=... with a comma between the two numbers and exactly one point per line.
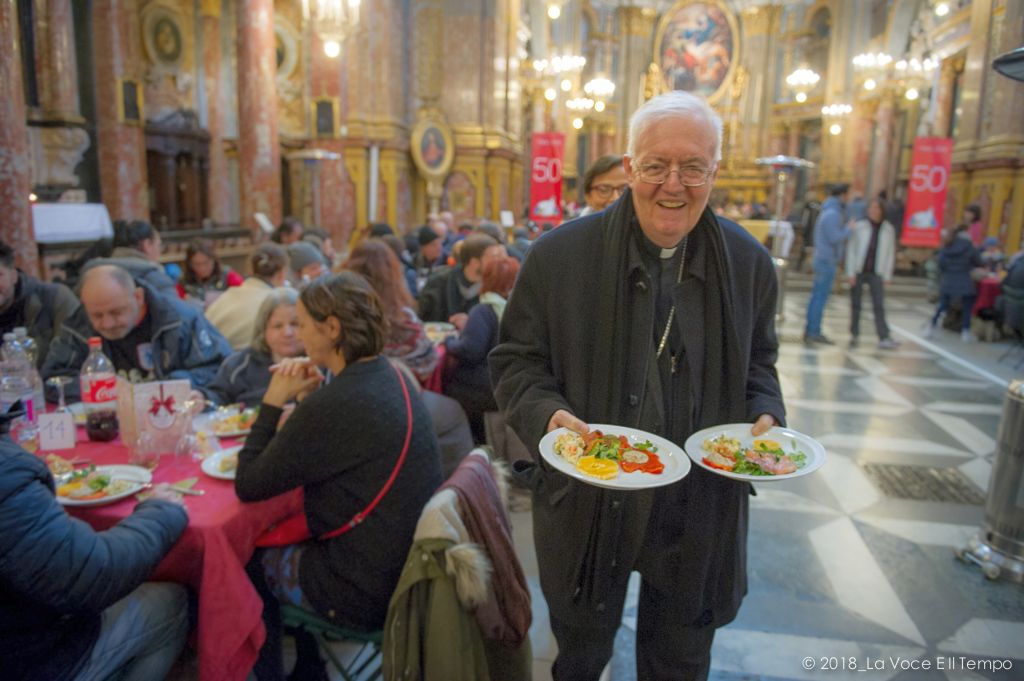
x=56, y=431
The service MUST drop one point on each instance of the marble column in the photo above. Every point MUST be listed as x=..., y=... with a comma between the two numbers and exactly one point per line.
x=15, y=183
x=973, y=95
x=56, y=63
x=218, y=182
x=121, y=146
x=1002, y=128
x=858, y=147
x=259, y=154
x=636, y=35
x=951, y=68
x=884, y=147
x=57, y=147
x=337, y=193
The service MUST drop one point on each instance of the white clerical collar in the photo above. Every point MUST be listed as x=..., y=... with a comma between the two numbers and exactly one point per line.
x=667, y=253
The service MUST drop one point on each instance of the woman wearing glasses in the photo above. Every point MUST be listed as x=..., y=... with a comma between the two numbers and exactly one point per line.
x=603, y=183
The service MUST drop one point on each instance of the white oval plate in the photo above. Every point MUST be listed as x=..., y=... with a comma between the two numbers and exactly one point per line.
x=123, y=471
x=211, y=464
x=438, y=331
x=786, y=437
x=231, y=433
x=676, y=464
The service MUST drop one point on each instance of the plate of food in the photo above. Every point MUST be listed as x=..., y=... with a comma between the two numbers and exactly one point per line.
x=438, y=331
x=222, y=464
x=615, y=457
x=777, y=454
x=233, y=421
x=97, y=485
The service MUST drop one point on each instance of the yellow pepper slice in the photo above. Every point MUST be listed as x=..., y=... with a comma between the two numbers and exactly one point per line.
x=603, y=469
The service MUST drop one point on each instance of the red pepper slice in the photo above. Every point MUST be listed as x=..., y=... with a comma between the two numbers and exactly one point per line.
x=716, y=465
x=653, y=465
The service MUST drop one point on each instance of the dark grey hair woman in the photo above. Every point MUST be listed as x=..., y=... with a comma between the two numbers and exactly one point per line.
x=245, y=374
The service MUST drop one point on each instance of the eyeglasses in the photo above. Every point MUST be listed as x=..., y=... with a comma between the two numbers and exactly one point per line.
x=657, y=173
x=606, y=190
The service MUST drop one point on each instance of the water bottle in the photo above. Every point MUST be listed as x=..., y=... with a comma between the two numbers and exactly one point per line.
x=99, y=393
x=28, y=344
x=31, y=350
x=17, y=377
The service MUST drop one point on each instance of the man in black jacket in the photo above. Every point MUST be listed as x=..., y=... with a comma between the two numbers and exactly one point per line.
x=657, y=315
x=449, y=295
x=137, y=248
x=144, y=334
x=25, y=301
x=74, y=604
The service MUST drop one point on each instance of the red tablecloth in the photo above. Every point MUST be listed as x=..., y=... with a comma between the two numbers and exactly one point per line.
x=209, y=557
x=988, y=289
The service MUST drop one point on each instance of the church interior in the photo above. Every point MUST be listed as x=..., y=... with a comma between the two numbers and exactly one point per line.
x=221, y=119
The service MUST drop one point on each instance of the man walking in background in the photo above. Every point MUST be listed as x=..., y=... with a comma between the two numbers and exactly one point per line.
x=830, y=231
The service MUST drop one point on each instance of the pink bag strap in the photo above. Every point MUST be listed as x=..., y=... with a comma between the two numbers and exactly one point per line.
x=359, y=517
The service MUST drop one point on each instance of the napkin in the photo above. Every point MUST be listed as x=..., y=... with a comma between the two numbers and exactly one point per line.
x=187, y=483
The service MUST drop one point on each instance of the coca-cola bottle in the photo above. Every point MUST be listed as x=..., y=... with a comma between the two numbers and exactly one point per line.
x=99, y=393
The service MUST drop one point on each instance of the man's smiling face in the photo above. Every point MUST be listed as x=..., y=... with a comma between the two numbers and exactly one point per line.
x=667, y=212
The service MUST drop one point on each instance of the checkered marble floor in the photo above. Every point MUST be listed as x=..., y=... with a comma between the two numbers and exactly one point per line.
x=841, y=574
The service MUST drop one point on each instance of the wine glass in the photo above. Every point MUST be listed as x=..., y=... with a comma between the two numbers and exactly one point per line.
x=58, y=383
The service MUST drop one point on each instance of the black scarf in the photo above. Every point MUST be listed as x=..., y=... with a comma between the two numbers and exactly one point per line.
x=722, y=361
x=723, y=399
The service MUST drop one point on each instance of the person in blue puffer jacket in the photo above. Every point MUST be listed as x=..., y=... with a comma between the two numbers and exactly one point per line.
x=957, y=258
x=74, y=603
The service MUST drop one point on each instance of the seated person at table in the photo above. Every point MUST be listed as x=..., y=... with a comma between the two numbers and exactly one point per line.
x=341, y=445
x=448, y=296
x=25, y=301
x=232, y=312
x=245, y=375
x=307, y=262
x=992, y=256
x=470, y=380
x=204, y=277
x=137, y=248
x=406, y=340
x=144, y=334
x=75, y=603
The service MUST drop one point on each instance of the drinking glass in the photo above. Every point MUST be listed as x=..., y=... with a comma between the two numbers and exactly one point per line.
x=145, y=451
x=58, y=382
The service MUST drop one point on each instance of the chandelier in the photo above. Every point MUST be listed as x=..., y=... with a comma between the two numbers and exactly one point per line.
x=559, y=64
x=801, y=81
x=835, y=112
x=599, y=88
x=580, y=104
x=333, y=20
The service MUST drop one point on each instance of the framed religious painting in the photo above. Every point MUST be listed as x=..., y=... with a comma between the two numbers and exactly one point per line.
x=163, y=37
x=129, y=102
x=696, y=48
x=432, y=146
x=326, y=113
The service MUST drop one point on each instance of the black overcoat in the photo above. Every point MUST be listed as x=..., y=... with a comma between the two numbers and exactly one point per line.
x=578, y=335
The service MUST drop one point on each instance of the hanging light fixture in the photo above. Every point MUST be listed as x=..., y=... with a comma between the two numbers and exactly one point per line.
x=800, y=81
x=599, y=88
x=333, y=21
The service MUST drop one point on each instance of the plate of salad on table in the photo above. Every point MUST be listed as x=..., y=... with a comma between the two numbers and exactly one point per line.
x=732, y=451
x=615, y=457
x=97, y=485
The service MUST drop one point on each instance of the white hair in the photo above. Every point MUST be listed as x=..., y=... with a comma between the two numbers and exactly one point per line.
x=670, y=105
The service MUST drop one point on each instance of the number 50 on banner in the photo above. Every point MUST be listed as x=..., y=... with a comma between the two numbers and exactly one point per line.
x=926, y=198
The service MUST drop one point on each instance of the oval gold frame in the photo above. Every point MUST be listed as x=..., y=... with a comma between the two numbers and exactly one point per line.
x=733, y=27
x=416, y=139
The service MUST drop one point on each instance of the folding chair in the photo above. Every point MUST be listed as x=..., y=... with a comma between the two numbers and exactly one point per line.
x=367, y=661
